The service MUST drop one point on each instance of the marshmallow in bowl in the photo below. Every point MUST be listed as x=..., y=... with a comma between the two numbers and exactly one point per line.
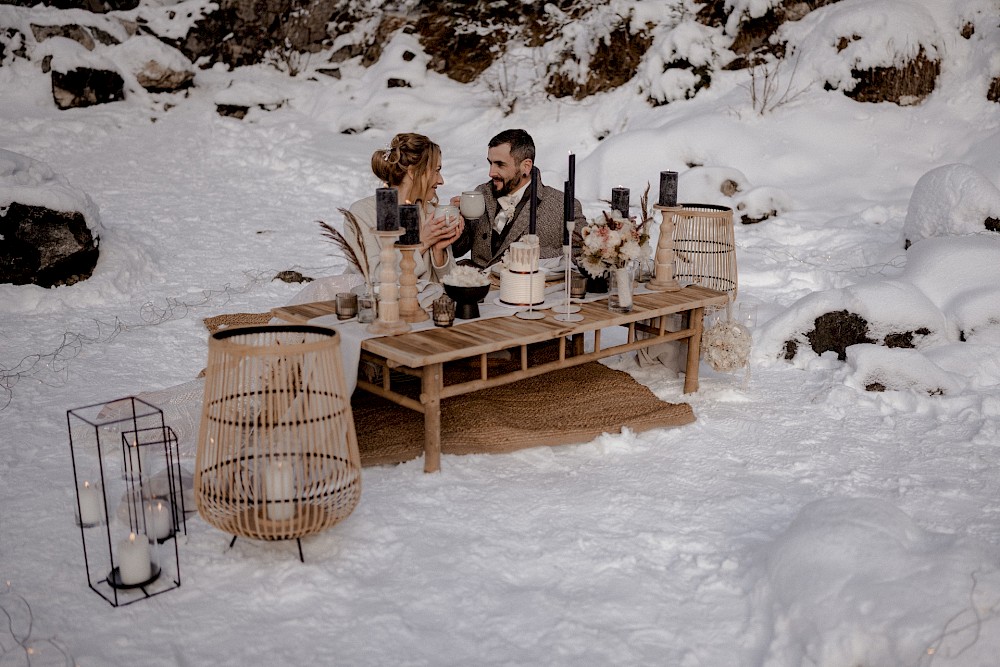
x=466, y=276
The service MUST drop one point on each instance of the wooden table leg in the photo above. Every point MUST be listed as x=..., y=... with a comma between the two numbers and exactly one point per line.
x=430, y=396
x=695, y=316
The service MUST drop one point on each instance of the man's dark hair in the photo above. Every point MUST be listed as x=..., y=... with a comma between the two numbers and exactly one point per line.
x=522, y=146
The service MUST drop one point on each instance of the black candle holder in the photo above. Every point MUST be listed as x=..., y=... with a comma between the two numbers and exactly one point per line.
x=123, y=449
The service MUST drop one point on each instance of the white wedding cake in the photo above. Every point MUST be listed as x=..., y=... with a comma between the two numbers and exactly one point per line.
x=522, y=282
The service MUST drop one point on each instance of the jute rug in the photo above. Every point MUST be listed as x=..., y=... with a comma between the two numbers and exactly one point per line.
x=572, y=405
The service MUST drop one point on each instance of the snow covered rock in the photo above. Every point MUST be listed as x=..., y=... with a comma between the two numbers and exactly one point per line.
x=856, y=581
x=711, y=185
x=80, y=77
x=86, y=36
x=894, y=313
x=951, y=200
x=47, y=227
x=877, y=368
x=156, y=66
x=948, y=293
x=241, y=96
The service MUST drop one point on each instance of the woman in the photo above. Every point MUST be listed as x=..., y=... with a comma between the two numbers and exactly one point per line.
x=412, y=165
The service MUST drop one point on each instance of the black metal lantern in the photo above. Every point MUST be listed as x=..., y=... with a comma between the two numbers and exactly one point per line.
x=129, y=498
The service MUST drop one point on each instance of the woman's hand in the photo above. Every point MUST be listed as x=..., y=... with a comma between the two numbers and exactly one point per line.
x=438, y=233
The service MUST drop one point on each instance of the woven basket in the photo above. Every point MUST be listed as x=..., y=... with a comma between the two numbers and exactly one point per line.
x=705, y=247
x=277, y=452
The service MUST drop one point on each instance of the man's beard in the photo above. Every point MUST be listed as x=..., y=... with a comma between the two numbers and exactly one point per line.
x=507, y=187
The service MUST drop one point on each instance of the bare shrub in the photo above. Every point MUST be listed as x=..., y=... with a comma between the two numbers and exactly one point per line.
x=514, y=75
x=766, y=88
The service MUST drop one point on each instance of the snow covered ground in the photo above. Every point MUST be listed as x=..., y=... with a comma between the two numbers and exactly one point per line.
x=800, y=521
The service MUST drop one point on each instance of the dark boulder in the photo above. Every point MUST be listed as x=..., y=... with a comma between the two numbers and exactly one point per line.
x=45, y=247
x=84, y=87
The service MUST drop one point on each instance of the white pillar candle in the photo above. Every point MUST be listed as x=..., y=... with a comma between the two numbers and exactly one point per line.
x=90, y=505
x=159, y=521
x=133, y=560
x=279, y=484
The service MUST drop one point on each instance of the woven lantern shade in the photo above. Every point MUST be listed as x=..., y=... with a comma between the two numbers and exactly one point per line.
x=705, y=247
x=277, y=452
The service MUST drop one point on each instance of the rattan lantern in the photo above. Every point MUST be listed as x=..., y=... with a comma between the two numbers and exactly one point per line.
x=705, y=247
x=277, y=452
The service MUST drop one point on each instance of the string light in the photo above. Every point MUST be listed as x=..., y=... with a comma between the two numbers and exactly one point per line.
x=56, y=361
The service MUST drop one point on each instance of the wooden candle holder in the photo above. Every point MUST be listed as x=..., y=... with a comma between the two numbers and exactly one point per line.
x=388, y=322
x=664, y=280
x=409, y=306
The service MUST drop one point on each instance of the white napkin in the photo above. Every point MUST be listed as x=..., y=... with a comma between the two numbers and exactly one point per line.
x=428, y=293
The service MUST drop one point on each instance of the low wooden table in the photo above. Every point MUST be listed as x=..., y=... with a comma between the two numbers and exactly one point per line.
x=423, y=354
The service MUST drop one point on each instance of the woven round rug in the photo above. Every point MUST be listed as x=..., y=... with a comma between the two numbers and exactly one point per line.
x=568, y=406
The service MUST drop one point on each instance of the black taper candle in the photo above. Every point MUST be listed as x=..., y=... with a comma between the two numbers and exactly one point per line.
x=668, y=188
x=409, y=218
x=619, y=200
x=386, y=209
x=572, y=181
x=567, y=212
x=533, y=202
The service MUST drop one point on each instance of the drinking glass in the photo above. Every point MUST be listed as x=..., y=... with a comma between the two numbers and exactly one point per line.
x=347, y=305
x=366, y=308
x=473, y=205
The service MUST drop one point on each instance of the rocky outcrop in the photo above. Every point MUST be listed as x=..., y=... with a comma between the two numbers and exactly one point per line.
x=87, y=36
x=96, y=6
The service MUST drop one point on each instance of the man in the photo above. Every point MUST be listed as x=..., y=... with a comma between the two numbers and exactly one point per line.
x=511, y=155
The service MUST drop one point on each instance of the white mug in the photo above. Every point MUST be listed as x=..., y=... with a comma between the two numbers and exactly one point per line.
x=449, y=212
x=473, y=204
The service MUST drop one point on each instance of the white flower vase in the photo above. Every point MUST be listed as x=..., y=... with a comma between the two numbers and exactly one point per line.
x=620, y=289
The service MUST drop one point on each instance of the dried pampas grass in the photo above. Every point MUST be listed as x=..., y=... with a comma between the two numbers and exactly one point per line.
x=340, y=241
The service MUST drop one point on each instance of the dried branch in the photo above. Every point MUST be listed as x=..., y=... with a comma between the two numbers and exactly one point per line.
x=644, y=207
x=766, y=94
x=344, y=246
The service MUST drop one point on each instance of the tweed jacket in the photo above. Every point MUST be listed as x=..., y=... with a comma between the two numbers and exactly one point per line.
x=478, y=234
